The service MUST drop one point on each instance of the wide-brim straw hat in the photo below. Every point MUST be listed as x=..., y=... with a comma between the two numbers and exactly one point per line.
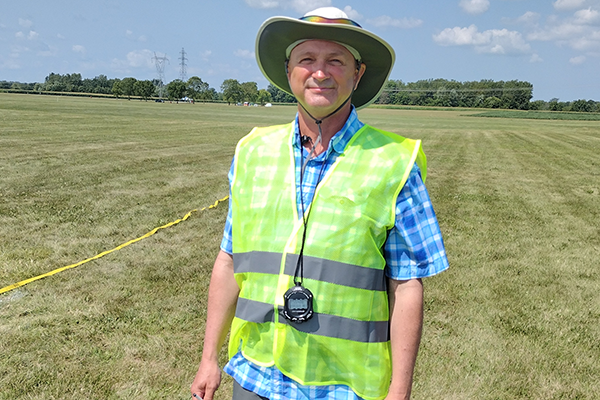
x=328, y=23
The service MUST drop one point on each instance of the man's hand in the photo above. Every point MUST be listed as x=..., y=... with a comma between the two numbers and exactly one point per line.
x=207, y=380
x=222, y=298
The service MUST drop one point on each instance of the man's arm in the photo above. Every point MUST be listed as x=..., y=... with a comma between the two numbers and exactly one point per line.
x=406, y=323
x=222, y=298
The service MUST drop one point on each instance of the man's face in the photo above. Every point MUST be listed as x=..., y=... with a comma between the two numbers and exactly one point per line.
x=322, y=75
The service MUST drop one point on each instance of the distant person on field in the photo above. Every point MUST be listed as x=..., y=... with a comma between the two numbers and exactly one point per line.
x=329, y=232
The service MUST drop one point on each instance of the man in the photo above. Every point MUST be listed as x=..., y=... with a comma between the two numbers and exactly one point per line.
x=330, y=230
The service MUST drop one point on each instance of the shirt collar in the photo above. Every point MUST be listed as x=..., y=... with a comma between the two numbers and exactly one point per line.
x=341, y=138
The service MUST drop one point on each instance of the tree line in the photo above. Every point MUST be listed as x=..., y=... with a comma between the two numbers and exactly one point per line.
x=513, y=94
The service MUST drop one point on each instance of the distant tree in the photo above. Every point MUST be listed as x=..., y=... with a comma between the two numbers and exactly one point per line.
x=492, y=102
x=196, y=88
x=144, y=89
x=279, y=96
x=517, y=95
x=263, y=97
x=54, y=83
x=200, y=90
x=249, y=91
x=117, y=89
x=554, y=105
x=581, y=106
x=102, y=84
x=17, y=86
x=176, y=90
x=538, y=105
x=87, y=86
x=128, y=87
x=212, y=94
x=232, y=91
x=388, y=94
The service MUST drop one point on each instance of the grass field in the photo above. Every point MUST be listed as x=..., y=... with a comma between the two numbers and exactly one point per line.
x=516, y=316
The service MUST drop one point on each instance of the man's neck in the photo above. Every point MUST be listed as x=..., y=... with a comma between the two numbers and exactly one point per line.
x=329, y=127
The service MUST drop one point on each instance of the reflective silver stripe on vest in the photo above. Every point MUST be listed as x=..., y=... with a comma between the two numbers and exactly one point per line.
x=317, y=269
x=320, y=324
x=254, y=311
x=339, y=273
x=257, y=261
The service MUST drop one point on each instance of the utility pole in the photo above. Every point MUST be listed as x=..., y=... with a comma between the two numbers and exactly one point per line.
x=160, y=69
x=183, y=66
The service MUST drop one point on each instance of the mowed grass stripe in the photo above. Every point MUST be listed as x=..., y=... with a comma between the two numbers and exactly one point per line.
x=515, y=316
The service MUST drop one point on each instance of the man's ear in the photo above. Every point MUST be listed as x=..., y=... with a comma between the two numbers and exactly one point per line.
x=360, y=71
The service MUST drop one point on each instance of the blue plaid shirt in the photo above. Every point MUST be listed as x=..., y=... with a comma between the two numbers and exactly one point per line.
x=414, y=249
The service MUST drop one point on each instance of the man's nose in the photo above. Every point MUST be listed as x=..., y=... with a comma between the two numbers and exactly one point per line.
x=320, y=71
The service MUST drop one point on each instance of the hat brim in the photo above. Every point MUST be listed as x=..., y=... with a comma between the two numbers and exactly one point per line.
x=277, y=33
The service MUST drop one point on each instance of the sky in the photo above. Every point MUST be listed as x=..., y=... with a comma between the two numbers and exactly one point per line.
x=553, y=44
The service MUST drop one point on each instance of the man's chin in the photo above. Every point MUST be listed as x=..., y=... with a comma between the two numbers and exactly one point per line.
x=320, y=108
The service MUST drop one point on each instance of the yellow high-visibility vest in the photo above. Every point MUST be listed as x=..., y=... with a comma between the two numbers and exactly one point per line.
x=347, y=340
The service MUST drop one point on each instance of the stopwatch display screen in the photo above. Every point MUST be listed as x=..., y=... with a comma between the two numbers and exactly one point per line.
x=298, y=304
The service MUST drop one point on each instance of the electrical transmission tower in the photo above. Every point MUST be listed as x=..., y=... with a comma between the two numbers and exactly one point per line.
x=160, y=68
x=183, y=66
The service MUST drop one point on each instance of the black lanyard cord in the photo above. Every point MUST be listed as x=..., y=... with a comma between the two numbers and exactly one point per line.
x=300, y=262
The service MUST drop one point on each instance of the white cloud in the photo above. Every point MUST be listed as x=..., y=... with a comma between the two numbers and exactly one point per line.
x=563, y=5
x=48, y=51
x=580, y=31
x=535, y=58
x=263, y=3
x=587, y=17
x=131, y=36
x=60, y=36
x=528, y=18
x=585, y=43
x=352, y=13
x=577, y=60
x=134, y=59
x=387, y=21
x=474, y=6
x=493, y=41
x=244, y=54
x=25, y=23
x=78, y=49
x=560, y=32
x=206, y=54
x=140, y=58
x=32, y=35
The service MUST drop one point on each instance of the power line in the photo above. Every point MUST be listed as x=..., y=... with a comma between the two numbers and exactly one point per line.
x=160, y=69
x=183, y=65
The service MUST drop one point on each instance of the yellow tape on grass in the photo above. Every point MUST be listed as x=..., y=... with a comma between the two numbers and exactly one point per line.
x=152, y=232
